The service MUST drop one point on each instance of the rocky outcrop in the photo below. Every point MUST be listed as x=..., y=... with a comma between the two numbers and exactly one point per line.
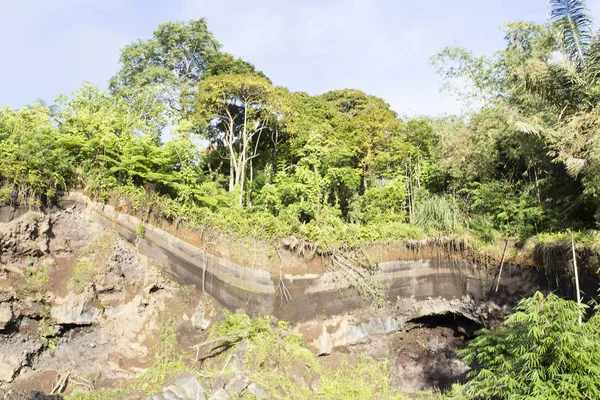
x=322, y=336
x=75, y=309
x=16, y=352
x=92, y=305
x=23, y=394
x=6, y=315
x=25, y=237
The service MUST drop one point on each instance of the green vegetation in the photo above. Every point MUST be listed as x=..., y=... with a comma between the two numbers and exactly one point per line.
x=258, y=162
x=47, y=332
x=277, y=360
x=37, y=276
x=255, y=161
x=541, y=352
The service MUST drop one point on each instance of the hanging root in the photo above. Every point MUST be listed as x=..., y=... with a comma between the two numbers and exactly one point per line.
x=362, y=278
x=282, y=290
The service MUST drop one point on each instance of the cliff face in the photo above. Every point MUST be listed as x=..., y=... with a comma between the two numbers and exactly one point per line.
x=76, y=299
x=85, y=294
x=274, y=288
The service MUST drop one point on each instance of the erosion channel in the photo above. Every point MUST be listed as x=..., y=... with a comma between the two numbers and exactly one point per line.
x=85, y=298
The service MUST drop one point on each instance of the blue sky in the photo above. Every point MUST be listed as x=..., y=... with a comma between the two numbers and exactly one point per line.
x=383, y=47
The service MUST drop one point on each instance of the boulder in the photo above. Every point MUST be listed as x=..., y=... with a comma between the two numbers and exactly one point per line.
x=6, y=315
x=238, y=383
x=220, y=394
x=186, y=388
x=75, y=310
x=257, y=391
x=24, y=394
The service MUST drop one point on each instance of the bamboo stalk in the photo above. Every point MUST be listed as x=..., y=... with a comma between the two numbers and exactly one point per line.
x=501, y=265
x=576, y=274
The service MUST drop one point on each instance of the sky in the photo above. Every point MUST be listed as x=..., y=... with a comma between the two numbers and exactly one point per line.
x=50, y=47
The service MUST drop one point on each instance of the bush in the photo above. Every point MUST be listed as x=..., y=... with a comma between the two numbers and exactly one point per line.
x=541, y=352
x=437, y=214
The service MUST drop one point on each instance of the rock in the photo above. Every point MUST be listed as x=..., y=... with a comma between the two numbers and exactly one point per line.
x=75, y=310
x=24, y=394
x=220, y=394
x=237, y=358
x=257, y=391
x=29, y=308
x=16, y=352
x=186, y=388
x=315, y=381
x=237, y=384
x=316, y=337
x=7, y=295
x=200, y=319
x=23, y=237
x=6, y=315
x=8, y=368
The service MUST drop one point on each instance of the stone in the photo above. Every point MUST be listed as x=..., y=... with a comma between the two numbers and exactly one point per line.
x=257, y=391
x=186, y=388
x=8, y=368
x=323, y=344
x=6, y=295
x=200, y=320
x=237, y=384
x=29, y=308
x=15, y=353
x=75, y=310
x=6, y=315
x=238, y=356
x=315, y=381
x=25, y=394
x=220, y=394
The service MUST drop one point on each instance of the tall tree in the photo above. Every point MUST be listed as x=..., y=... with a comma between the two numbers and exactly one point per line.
x=237, y=109
x=172, y=61
x=574, y=26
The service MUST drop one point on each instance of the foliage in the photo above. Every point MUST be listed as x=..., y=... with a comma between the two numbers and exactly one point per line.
x=541, y=352
x=37, y=276
x=437, y=214
x=172, y=62
x=33, y=165
x=275, y=353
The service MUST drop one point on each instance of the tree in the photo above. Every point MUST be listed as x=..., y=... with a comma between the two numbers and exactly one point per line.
x=237, y=109
x=33, y=164
x=173, y=62
x=541, y=352
x=570, y=18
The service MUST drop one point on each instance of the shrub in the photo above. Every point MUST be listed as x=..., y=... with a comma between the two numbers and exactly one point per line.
x=541, y=352
x=437, y=213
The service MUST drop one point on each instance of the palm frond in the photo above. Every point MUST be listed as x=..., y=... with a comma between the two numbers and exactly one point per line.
x=571, y=19
x=592, y=61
